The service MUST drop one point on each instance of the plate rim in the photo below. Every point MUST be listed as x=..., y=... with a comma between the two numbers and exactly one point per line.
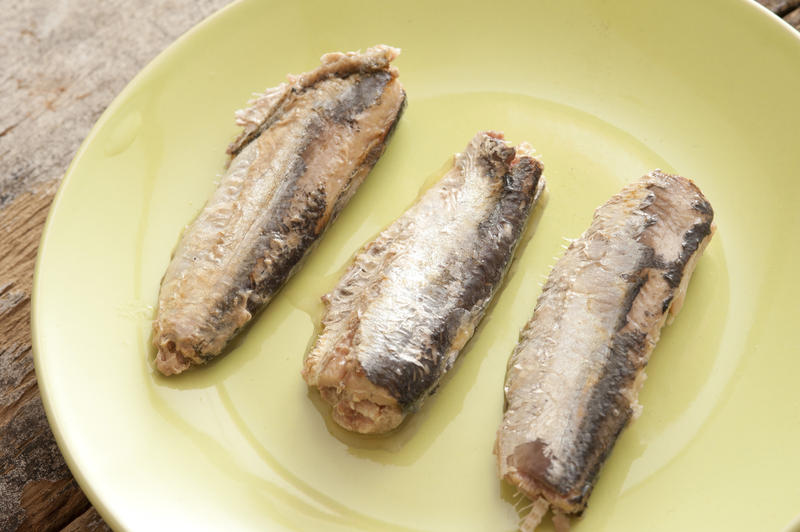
x=97, y=499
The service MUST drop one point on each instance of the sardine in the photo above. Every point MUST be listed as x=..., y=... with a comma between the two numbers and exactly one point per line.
x=398, y=318
x=573, y=380
x=305, y=147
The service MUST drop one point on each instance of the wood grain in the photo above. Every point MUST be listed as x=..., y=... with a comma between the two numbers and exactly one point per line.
x=793, y=18
x=90, y=520
x=38, y=492
x=788, y=9
x=780, y=7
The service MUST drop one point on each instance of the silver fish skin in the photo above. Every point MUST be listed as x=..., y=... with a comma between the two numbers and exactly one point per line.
x=397, y=320
x=573, y=380
x=305, y=147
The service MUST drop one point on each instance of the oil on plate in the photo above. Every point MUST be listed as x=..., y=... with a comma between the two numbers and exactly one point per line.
x=605, y=91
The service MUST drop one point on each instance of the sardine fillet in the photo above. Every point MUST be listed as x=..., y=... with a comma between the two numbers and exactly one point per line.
x=305, y=148
x=398, y=318
x=573, y=379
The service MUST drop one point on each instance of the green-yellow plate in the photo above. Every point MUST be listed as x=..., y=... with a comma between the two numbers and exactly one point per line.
x=605, y=91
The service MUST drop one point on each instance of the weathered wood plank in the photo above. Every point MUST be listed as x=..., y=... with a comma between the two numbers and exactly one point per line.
x=780, y=7
x=89, y=521
x=793, y=18
x=61, y=65
x=37, y=491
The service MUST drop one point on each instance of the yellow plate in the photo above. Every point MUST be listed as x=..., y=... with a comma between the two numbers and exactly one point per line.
x=605, y=90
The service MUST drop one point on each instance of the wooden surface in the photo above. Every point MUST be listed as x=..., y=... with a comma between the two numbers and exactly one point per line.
x=61, y=64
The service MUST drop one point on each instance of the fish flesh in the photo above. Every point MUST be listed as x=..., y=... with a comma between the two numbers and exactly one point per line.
x=410, y=301
x=305, y=147
x=573, y=379
x=399, y=317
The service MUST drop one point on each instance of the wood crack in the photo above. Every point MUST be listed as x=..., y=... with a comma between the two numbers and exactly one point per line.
x=8, y=130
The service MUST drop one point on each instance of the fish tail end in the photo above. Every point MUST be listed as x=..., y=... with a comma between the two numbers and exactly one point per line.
x=535, y=516
x=169, y=359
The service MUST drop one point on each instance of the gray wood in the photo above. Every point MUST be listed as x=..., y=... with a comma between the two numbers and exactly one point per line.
x=62, y=64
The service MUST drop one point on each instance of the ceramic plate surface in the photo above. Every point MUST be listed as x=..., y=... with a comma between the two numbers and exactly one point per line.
x=605, y=91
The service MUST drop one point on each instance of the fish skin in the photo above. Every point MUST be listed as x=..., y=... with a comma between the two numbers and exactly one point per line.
x=573, y=379
x=305, y=147
x=397, y=320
